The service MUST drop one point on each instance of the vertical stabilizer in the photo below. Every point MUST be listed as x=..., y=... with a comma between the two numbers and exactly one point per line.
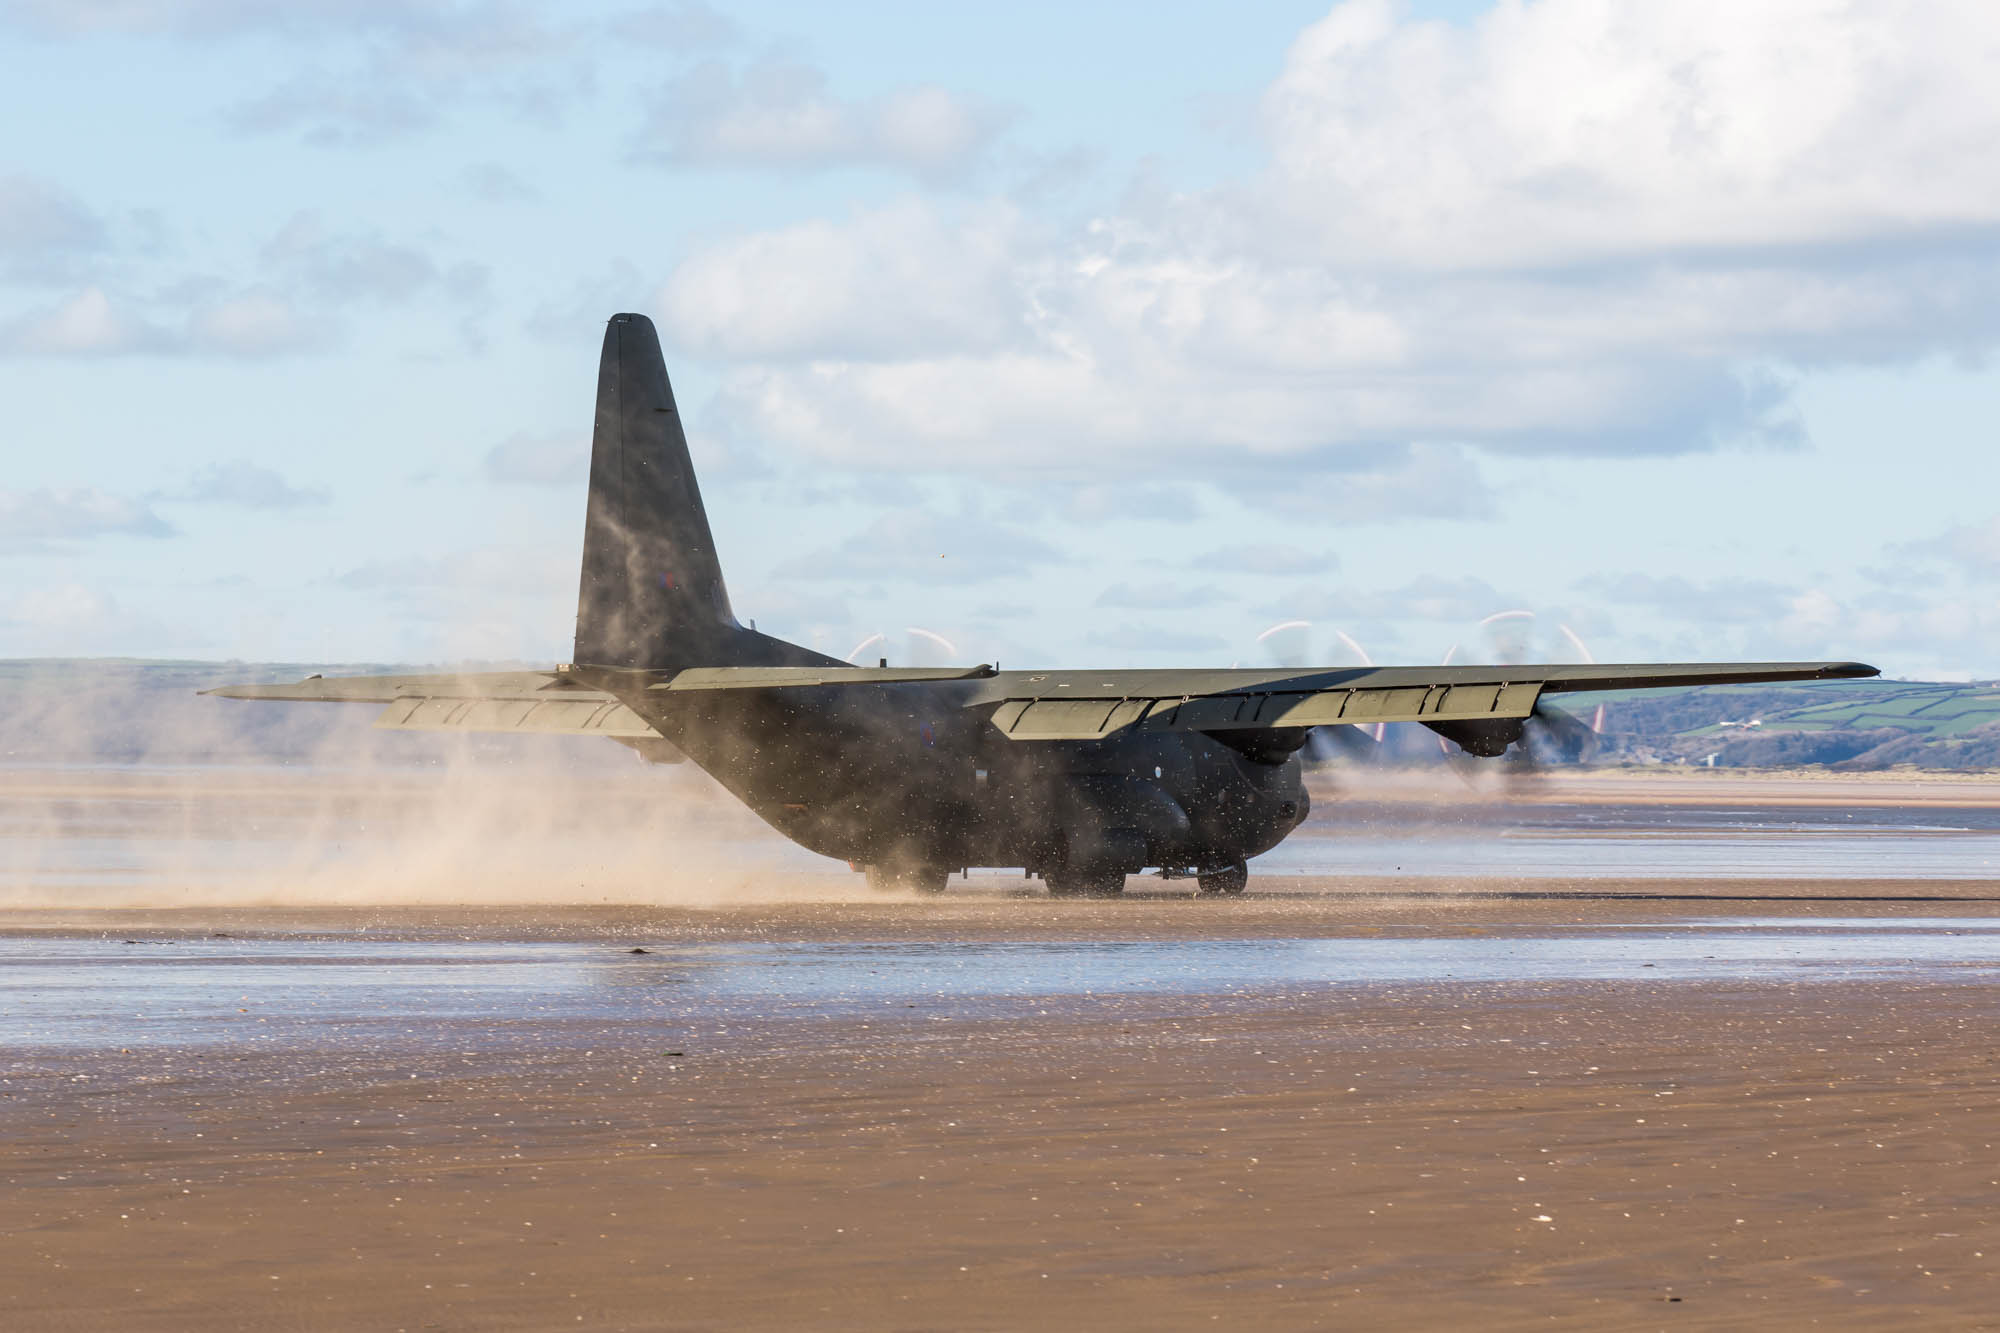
x=652, y=595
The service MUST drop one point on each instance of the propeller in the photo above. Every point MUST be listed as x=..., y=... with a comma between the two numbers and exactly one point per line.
x=1296, y=644
x=921, y=648
x=1549, y=735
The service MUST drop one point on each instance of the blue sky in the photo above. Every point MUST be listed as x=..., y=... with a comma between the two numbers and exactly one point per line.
x=1107, y=334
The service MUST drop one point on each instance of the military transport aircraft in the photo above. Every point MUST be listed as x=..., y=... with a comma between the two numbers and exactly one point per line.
x=1080, y=777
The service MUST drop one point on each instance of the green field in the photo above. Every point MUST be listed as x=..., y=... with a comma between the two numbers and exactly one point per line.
x=1863, y=724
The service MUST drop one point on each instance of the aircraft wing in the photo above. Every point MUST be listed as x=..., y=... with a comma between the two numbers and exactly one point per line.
x=1043, y=705
x=1091, y=705
x=541, y=702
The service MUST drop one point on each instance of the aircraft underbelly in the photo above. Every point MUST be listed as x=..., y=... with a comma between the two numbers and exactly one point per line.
x=940, y=785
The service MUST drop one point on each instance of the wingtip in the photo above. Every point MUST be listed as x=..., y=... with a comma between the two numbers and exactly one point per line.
x=260, y=691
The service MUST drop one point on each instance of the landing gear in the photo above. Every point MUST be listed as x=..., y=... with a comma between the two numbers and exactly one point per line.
x=1232, y=878
x=1084, y=883
x=897, y=878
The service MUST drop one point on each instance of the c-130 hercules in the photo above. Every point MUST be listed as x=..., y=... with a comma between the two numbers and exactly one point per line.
x=1080, y=777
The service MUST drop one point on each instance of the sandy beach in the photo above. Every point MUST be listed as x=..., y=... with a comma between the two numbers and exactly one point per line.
x=1586, y=1154
x=1389, y=1102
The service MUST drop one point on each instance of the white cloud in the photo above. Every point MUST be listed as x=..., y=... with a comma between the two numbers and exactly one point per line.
x=86, y=324
x=216, y=18
x=332, y=111
x=42, y=225
x=904, y=278
x=249, y=486
x=253, y=323
x=29, y=520
x=1928, y=629
x=1274, y=558
x=487, y=603
x=782, y=115
x=1092, y=505
x=308, y=273
x=1569, y=228
x=676, y=27
x=1939, y=633
x=360, y=266
x=60, y=606
x=1725, y=601
x=378, y=68
x=1973, y=547
x=1564, y=131
x=1434, y=481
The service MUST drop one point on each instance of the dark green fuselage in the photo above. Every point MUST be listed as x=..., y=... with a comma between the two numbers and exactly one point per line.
x=908, y=773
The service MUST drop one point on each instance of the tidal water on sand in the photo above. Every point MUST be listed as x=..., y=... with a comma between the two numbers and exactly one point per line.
x=333, y=992
x=1557, y=840
x=74, y=839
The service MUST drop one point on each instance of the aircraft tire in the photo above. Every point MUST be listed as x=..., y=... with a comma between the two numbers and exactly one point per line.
x=1232, y=878
x=926, y=880
x=1085, y=883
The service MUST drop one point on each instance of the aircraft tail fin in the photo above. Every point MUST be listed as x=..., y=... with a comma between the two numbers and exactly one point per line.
x=651, y=596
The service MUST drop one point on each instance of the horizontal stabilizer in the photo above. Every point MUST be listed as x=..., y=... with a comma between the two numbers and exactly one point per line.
x=522, y=702
x=767, y=678
x=388, y=689
x=575, y=684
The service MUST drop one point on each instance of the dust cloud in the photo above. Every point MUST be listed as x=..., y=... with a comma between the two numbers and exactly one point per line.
x=121, y=787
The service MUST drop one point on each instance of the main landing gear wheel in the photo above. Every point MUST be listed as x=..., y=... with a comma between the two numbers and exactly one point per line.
x=908, y=879
x=1232, y=878
x=1085, y=883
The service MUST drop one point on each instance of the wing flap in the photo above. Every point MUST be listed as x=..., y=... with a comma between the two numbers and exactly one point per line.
x=1068, y=719
x=1094, y=719
x=1075, y=705
x=545, y=717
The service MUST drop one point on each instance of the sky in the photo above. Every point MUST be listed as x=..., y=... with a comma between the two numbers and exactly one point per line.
x=1075, y=335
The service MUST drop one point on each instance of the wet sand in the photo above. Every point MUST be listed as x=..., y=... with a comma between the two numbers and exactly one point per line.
x=1596, y=1101
x=1595, y=1153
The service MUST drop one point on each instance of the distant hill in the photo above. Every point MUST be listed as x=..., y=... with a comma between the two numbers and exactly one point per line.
x=1855, y=725
x=99, y=710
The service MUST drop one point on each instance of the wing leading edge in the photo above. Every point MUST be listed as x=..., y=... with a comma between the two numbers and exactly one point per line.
x=1039, y=705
